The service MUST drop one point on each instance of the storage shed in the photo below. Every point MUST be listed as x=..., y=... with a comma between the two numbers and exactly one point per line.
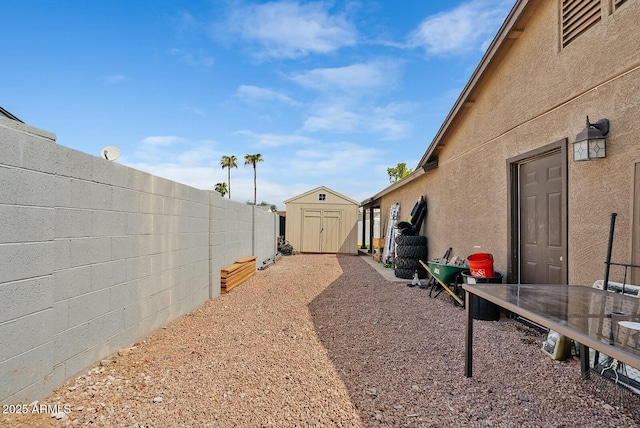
x=322, y=221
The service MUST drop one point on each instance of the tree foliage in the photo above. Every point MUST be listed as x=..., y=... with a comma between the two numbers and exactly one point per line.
x=221, y=188
x=229, y=162
x=253, y=160
x=398, y=172
x=264, y=204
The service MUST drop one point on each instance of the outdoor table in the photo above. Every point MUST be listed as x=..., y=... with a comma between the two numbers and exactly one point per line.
x=584, y=314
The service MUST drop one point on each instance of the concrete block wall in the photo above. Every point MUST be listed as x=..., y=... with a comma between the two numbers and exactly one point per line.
x=238, y=230
x=266, y=226
x=27, y=254
x=95, y=255
x=132, y=253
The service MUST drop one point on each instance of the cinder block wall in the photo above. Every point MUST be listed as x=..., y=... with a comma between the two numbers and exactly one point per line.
x=27, y=256
x=238, y=230
x=266, y=226
x=95, y=255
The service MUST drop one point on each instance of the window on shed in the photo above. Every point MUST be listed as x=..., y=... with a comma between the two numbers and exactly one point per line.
x=322, y=196
x=578, y=16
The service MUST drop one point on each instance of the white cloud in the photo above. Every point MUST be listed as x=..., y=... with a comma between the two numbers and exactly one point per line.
x=274, y=140
x=171, y=148
x=115, y=79
x=334, y=118
x=186, y=21
x=193, y=110
x=200, y=155
x=206, y=176
x=257, y=94
x=331, y=159
x=162, y=140
x=462, y=29
x=385, y=122
x=307, y=164
x=200, y=177
x=194, y=163
x=355, y=77
x=382, y=121
x=194, y=59
x=291, y=30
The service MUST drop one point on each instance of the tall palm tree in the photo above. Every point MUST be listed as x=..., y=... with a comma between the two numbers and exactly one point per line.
x=229, y=162
x=253, y=160
x=221, y=188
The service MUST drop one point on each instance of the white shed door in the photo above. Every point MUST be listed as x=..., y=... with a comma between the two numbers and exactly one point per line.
x=321, y=231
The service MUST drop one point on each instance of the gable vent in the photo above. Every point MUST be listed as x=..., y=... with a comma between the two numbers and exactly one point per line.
x=619, y=3
x=577, y=17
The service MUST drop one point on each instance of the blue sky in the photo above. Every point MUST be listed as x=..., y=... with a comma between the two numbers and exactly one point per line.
x=329, y=92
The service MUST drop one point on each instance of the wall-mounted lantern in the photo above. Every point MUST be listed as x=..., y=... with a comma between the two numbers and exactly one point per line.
x=591, y=142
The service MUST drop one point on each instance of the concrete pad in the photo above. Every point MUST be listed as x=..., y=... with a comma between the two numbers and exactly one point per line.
x=387, y=273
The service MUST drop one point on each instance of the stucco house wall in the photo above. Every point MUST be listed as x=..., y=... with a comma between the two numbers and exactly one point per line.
x=533, y=93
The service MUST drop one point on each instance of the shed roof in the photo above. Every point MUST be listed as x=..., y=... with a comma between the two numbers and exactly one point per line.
x=322, y=189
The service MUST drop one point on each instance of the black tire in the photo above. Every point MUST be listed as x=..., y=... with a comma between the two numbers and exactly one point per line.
x=411, y=251
x=407, y=263
x=405, y=228
x=416, y=240
x=408, y=273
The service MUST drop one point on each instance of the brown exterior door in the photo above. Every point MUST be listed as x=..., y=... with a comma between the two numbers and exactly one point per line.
x=542, y=220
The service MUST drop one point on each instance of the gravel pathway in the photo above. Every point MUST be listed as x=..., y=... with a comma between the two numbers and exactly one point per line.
x=325, y=341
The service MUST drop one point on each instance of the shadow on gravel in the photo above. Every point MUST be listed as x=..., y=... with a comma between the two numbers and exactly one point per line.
x=389, y=347
x=400, y=355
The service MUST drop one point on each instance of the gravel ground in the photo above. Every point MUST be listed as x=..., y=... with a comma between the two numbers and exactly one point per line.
x=325, y=341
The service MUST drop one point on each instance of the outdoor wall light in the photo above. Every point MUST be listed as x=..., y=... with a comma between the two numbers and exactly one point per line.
x=591, y=142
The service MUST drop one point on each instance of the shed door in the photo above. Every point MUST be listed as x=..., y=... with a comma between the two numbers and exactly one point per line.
x=311, y=227
x=320, y=231
x=542, y=221
x=330, y=233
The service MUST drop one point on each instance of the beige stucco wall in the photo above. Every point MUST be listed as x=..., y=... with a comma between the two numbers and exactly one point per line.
x=348, y=232
x=540, y=94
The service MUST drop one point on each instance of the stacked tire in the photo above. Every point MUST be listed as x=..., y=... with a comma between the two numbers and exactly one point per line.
x=410, y=250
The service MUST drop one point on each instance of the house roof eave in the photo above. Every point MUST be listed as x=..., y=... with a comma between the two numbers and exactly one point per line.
x=511, y=29
x=408, y=179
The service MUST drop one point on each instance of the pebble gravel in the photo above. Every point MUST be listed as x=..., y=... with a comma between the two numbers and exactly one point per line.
x=326, y=341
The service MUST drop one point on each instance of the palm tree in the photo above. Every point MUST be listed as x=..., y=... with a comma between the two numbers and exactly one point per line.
x=229, y=162
x=253, y=160
x=221, y=188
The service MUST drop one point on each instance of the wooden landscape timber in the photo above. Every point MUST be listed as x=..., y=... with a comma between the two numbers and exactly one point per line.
x=237, y=273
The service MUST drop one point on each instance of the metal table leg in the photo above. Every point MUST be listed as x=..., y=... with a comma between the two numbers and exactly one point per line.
x=468, y=351
x=584, y=361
